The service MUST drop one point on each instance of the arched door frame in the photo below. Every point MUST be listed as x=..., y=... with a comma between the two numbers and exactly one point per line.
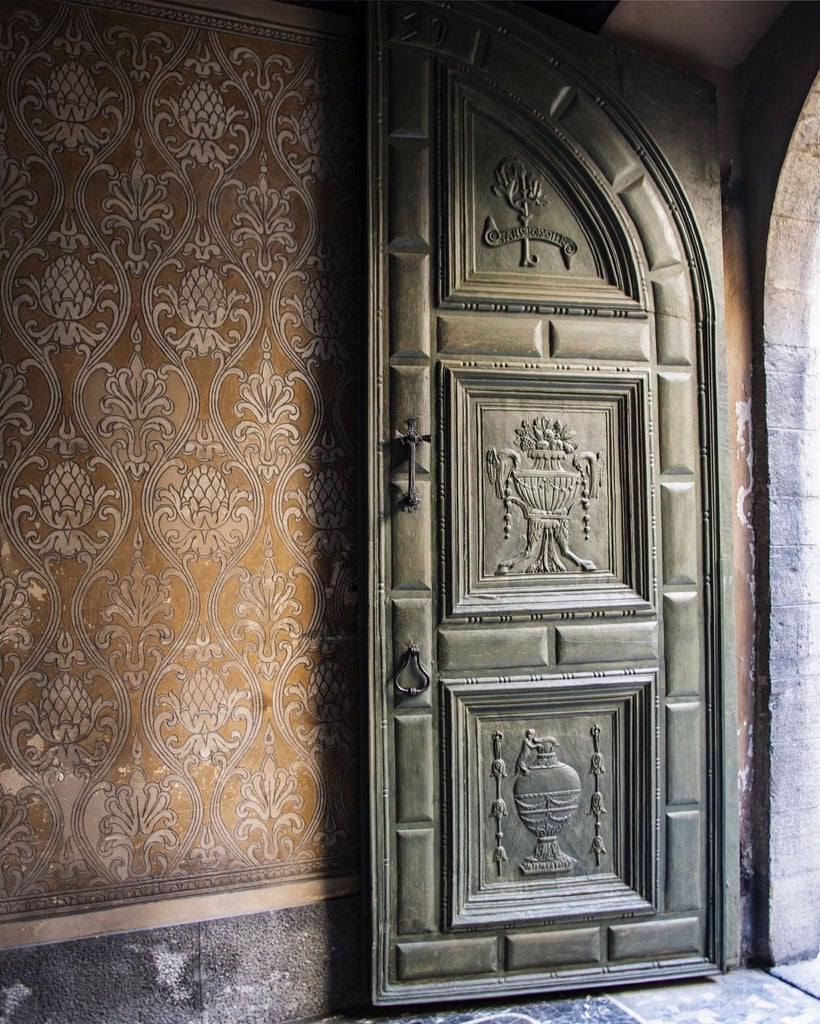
x=791, y=339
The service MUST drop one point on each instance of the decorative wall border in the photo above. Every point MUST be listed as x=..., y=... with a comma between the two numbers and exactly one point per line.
x=176, y=909
x=213, y=15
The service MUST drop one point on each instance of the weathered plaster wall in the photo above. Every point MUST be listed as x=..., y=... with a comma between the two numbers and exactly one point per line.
x=739, y=335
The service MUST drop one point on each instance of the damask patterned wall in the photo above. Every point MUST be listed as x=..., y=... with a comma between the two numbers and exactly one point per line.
x=178, y=621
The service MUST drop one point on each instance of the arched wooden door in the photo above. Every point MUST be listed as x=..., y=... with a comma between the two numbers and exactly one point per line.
x=545, y=694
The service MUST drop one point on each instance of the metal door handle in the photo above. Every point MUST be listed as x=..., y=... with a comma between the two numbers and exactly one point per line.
x=412, y=653
x=411, y=439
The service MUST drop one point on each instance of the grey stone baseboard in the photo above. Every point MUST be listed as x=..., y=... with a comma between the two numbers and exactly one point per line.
x=281, y=965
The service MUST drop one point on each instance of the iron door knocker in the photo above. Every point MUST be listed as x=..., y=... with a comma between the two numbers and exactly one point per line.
x=412, y=653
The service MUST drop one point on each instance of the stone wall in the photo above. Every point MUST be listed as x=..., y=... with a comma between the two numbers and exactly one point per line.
x=291, y=964
x=782, y=201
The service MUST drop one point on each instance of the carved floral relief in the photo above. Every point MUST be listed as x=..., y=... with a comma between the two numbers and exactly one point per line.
x=178, y=657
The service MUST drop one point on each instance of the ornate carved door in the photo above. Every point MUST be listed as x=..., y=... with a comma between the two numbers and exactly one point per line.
x=544, y=627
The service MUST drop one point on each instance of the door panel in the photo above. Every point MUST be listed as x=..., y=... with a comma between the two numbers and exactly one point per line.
x=506, y=865
x=541, y=438
x=544, y=700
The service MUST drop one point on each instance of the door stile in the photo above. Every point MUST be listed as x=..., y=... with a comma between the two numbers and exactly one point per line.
x=404, y=727
x=375, y=603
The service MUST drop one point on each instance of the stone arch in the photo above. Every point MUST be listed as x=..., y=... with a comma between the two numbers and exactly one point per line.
x=791, y=337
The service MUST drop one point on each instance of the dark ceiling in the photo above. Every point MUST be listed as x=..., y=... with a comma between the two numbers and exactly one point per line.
x=588, y=15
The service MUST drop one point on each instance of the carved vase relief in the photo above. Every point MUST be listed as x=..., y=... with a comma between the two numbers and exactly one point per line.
x=556, y=818
x=178, y=453
x=546, y=478
x=547, y=795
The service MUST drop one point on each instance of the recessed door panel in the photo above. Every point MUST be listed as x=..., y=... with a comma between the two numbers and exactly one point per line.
x=546, y=476
x=553, y=798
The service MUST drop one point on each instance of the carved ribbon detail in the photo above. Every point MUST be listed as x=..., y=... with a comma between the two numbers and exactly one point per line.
x=596, y=803
x=523, y=191
x=498, y=771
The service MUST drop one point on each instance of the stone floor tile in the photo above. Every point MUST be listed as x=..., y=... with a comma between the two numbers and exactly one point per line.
x=588, y=1010
x=805, y=976
x=741, y=997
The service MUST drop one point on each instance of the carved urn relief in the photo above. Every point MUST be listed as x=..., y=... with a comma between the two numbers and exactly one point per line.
x=555, y=478
x=547, y=796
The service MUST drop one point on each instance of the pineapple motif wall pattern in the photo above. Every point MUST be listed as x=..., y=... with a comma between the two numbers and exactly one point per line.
x=178, y=231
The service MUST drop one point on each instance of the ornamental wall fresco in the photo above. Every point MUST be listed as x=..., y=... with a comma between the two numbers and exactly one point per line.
x=178, y=234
